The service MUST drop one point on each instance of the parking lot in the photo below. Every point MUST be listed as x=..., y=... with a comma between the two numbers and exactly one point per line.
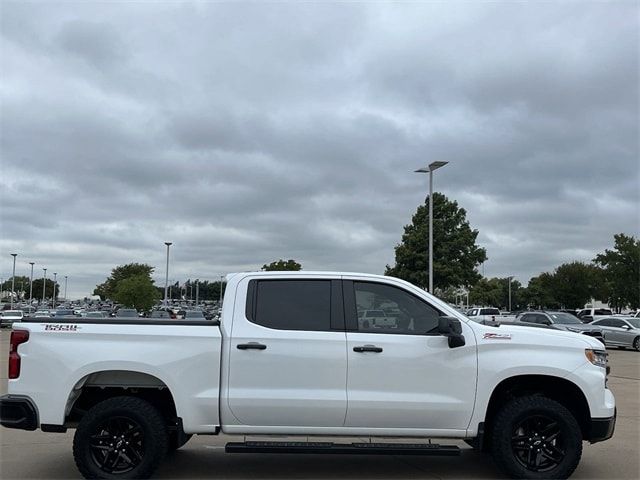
x=48, y=455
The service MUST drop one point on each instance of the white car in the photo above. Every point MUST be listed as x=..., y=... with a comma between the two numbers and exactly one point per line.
x=289, y=358
x=9, y=317
x=484, y=314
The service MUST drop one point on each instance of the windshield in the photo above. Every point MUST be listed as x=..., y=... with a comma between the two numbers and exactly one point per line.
x=564, y=318
x=490, y=311
x=634, y=322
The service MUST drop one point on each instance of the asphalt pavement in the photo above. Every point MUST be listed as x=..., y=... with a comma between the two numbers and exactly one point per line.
x=48, y=455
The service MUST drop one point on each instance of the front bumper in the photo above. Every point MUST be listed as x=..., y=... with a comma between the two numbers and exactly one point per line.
x=18, y=412
x=602, y=428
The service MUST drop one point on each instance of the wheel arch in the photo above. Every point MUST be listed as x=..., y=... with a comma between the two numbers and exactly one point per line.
x=101, y=385
x=559, y=389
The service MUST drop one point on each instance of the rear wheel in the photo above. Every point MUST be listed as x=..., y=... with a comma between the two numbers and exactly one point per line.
x=636, y=344
x=536, y=437
x=122, y=437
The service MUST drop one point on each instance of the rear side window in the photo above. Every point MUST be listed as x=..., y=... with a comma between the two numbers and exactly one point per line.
x=490, y=311
x=292, y=304
x=602, y=311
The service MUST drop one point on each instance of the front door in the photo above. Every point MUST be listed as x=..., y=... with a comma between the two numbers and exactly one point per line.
x=287, y=359
x=403, y=375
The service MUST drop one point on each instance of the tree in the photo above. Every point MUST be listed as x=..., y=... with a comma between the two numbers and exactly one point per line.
x=539, y=292
x=574, y=284
x=621, y=272
x=21, y=285
x=494, y=292
x=455, y=253
x=108, y=288
x=37, y=289
x=137, y=292
x=280, y=265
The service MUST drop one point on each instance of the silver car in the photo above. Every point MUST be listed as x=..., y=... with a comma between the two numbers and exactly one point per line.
x=620, y=331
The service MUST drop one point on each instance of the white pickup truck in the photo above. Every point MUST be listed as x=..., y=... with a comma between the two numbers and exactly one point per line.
x=291, y=356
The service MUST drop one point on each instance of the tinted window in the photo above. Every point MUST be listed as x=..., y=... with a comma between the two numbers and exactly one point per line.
x=293, y=304
x=602, y=311
x=405, y=313
x=617, y=323
x=528, y=317
x=603, y=323
x=490, y=311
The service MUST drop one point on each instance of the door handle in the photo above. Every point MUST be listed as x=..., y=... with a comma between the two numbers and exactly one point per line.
x=367, y=348
x=251, y=346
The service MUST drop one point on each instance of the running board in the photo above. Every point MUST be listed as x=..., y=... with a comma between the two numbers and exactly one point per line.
x=344, y=448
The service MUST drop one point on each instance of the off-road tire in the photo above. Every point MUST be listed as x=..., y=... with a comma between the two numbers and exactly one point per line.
x=152, y=426
x=519, y=410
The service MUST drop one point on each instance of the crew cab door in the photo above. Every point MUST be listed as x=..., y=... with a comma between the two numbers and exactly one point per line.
x=287, y=353
x=405, y=376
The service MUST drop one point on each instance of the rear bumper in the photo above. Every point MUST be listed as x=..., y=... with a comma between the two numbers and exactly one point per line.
x=18, y=412
x=602, y=428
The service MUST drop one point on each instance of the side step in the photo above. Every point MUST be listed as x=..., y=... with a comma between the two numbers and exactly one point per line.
x=344, y=448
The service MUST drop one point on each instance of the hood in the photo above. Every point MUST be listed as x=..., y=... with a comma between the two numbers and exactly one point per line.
x=542, y=336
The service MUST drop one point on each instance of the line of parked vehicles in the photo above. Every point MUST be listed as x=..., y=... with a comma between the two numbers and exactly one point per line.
x=621, y=331
x=175, y=312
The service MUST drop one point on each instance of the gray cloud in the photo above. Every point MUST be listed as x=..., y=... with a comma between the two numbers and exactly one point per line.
x=247, y=133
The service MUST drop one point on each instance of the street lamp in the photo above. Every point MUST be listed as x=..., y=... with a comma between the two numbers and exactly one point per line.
x=65, y=288
x=510, y=278
x=221, y=278
x=55, y=276
x=44, y=284
x=430, y=169
x=166, y=276
x=13, y=278
x=31, y=285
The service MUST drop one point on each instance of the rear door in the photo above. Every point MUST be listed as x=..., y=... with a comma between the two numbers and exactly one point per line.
x=287, y=358
x=404, y=375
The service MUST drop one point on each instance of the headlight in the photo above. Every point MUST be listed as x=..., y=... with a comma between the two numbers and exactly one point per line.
x=597, y=357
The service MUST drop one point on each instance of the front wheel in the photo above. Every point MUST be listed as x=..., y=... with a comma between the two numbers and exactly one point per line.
x=536, y=437
x=636, y=344
x=122, y=437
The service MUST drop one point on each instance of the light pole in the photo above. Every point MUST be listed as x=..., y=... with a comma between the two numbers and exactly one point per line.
x=197, y=291
x=166, y=275
x=430, y=169
x=65, y=288
x=13, y=278
x=221, y=278
x=31, y=285
x=55, y=276
x=44, y=284
x=509, y=278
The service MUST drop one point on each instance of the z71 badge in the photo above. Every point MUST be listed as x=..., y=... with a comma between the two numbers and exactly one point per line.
x=57, y=327
x=497, y=336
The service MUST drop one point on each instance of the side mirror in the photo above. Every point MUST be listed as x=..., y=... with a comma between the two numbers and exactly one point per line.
x=626, y=327
x=450, y=327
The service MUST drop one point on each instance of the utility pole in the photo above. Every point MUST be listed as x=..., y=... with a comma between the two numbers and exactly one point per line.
x=13, y=278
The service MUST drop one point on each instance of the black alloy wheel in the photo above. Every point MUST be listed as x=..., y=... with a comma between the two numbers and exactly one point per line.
x=117, y=446
x=537, y=443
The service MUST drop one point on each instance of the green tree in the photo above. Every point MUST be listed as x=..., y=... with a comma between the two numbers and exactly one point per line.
x=108, y=288
x=456, y=255
x=574, y=284
x=137, y=292
x=37, y=289
x=539, y=292
x=621, y=272
x=21, y=285
x=281, y=265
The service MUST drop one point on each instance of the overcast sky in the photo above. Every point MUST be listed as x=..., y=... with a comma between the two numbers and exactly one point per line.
x=250, y=132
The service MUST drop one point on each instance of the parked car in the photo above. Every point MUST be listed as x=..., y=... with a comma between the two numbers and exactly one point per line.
x=375, y=319
x=296, y=362
x=159, y=314
x=194, y=315
x=42, y=314
x=63, y=313
x=94, y=314
x=589, y=314
x=560, y=321
x=487, y=314
x=9, y=317
x=620, y=331
x=127, y=313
